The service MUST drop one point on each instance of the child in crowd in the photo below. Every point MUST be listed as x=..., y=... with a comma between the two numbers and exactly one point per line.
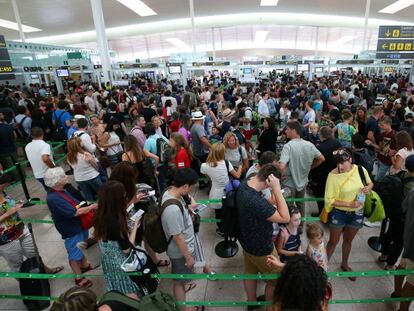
x=288, y=241
x=215, y=135
x=345, y=130
x=316, y=247
x=313, y=136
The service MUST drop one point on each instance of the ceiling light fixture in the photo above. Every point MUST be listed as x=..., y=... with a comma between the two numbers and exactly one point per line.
x=12, y=25
x=177, y=42
x=269, y=2
x=396, y=6
x=138, y=7
x=260, y=37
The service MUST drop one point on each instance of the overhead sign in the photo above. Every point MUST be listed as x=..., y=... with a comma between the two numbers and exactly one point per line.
x=74, y=55
x=355, y=62
x=395, y=55
x=6, y=67
x=401, y=45
x=254, y=63
x=390, y=61
x=316, y=62
x=283, y=62
x=388, y=69
x=32, y=69
x=395, y=42
x=213, y=64
x=396, y=32
x=97, y=66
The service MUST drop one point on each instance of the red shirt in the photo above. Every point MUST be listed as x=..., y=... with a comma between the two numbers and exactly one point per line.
x=182, y=160
x=175, y=126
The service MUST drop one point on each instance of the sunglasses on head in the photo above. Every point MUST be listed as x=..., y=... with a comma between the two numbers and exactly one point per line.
x=342, y=154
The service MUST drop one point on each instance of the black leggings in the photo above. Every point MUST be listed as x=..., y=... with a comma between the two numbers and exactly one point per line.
x=217, y=212
x=392, y=241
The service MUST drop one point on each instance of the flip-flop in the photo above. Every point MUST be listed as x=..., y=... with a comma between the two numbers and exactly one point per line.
x=56, y=270
x=190, y=287
x=86, y=269
x=163, y=263
x=351, y=278
x=83, y=282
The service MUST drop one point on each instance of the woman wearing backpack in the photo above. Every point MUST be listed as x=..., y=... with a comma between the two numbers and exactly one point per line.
x=219, y=173
x=235, y=153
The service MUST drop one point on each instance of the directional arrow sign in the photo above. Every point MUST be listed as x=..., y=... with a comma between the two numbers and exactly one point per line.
x=396, y=32
x=400, y=45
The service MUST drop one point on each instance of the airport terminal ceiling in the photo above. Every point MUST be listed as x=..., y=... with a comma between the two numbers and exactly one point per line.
x=291, y=25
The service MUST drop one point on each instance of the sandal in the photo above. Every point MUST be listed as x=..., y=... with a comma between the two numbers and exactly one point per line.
x=190, y=287
x=55, y=270
x=352, y=278
x=86, y=269
x=83, y=282
x=163, y=263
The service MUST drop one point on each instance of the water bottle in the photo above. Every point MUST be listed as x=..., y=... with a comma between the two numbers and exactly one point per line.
x=286, y=192
x=361, y=197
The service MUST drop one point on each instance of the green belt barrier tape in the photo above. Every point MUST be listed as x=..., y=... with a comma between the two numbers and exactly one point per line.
x=233, y=303
x=212, y=277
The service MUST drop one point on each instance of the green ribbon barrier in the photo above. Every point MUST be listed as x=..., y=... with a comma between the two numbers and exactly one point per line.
x=211, y=277
x=235, y=303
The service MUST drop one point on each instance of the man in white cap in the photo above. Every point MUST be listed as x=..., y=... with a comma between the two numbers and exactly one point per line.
x=201, y=144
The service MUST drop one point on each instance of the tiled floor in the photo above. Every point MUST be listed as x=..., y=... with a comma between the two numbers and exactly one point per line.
x=53, y=252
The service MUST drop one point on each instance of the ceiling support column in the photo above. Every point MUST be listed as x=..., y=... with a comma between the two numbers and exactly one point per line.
x=18, y=21
x=192, y=27
x=101, y=38
x=364, y=40
x=213, y=39
x=317, y=42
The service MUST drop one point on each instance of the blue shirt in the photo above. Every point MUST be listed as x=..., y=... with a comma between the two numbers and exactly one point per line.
x=71, y=130
x=63, y=214
x=255, y=230
x=65, y=116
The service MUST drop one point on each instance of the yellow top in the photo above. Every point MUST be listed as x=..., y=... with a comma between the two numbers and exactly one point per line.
x=344, y=187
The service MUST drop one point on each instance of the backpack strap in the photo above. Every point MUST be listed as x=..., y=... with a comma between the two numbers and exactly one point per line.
x=22, y=120
x=362, y=175
x=58, y=121
x=167, y=203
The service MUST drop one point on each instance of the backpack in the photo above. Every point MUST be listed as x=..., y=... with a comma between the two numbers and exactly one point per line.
x=19, y=130
x=255, y=117
x=153, y=302
x=229, y=215
x=391, y=191
x=152, y=225
x=59, y=133
x=364, y=159
x=163, y=150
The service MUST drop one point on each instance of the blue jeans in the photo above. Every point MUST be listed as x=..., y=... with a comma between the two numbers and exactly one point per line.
x=383, y=170
x=90, y=188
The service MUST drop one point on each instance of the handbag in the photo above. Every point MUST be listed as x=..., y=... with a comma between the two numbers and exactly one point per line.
x=86, y=219
x=139, y=261
x=373, y=207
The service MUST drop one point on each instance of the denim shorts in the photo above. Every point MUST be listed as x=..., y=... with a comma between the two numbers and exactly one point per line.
x=74, y=253
x=340, y=219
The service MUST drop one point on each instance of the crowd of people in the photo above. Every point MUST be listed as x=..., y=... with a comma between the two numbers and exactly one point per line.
x=335, y=138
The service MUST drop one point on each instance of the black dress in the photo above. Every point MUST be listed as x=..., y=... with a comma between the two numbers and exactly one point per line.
x=267, y=141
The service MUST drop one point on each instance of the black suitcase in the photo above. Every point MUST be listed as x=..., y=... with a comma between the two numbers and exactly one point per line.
x=34, y=287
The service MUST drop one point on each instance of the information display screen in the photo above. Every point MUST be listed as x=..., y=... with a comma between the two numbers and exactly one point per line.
x=174, y=69
x=303, y=67
x=247, y=71
x=62, y=72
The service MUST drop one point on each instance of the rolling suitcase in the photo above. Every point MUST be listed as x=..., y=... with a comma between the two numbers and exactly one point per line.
x=34, y=287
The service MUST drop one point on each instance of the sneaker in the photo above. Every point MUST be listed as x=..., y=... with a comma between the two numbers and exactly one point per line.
x=372, y=224
x=219, y=233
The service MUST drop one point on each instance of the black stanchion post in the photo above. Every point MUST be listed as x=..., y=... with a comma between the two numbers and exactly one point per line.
x=24, y=186
x=375, y=242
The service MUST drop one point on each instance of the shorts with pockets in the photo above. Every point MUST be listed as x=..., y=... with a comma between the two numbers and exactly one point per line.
x=178, y=267
x=258, y=264
x=74, y=253
x=339, y=219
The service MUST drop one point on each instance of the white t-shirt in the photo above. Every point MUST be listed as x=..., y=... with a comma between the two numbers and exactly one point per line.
x=263, y=109
x=91, y=103
x=83, y=170
x=173, y=102
x=219, y=177
x=34, y=151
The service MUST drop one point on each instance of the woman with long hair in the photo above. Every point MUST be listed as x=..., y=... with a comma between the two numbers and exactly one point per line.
x=361, y=121
x=140, y=158
x=111, y=230
x=125, y=173
x=111, y=141
x=219, y=171
x=235, y=153
x=85, y=169
x=404, y=147
x=268, y=137
x=182, y=154
x=184, y=129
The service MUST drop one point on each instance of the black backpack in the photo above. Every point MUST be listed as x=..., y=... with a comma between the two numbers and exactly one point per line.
x=229, y=214
x=59, y=132
x=19, y=130
x=391, y=191
x=163, y=150
x=364, y=159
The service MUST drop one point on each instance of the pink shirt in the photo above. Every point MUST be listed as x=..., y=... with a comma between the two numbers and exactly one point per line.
x=139, y=135
x=403, y=153
x=186, y=134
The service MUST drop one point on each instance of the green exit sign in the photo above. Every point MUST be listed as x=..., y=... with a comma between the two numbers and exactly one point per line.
x=74, y=55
